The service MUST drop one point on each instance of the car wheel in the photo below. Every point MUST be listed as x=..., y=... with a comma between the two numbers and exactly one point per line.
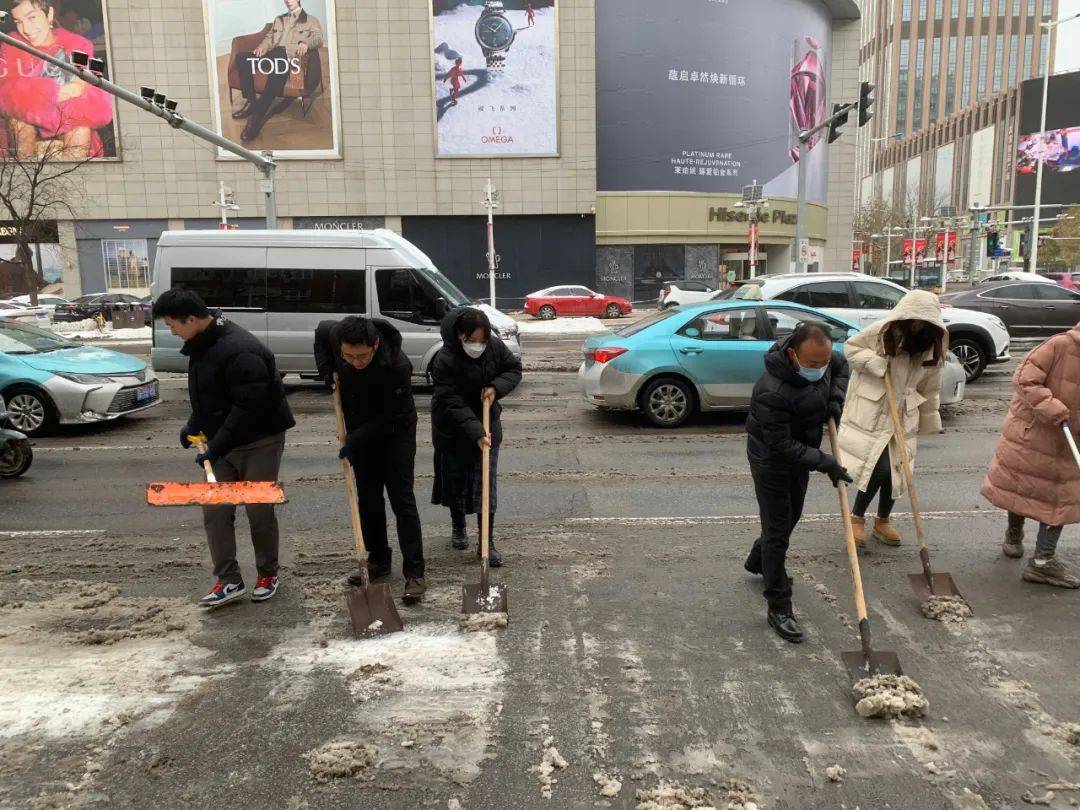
x=971, y=354
x=613, y=311
x=547, y=313
x=15, y=459
x=31, y=411
x=668, y=402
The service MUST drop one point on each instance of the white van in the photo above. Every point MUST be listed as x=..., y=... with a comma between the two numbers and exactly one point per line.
x=280, y=284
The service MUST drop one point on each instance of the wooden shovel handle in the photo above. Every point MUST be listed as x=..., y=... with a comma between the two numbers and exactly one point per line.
x=485, y=482
x=207, y=466
x=1071, y=441
x=905, y=460
x=350, y=484
x=849, y=532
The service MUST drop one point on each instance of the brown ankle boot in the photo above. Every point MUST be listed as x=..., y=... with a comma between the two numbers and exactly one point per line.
x=885, y=533
x=858, y=528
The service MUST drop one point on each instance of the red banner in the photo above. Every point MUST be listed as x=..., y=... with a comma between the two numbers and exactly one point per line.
x=856, y=260
x=920, y=251
x=939, y=247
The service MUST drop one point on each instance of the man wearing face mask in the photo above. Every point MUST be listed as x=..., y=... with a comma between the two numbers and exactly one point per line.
x=380, y=444
x=911, y=343
x=803, y=386
x=473, y=365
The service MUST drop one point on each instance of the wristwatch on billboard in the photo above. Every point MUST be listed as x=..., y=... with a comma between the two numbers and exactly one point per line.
x=495, y=34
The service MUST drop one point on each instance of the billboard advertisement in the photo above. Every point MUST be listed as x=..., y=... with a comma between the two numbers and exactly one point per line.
x=273, y=74
x=920, y=251
x=44, y=110
x=711, y=99
x=1057, y=145
x=495, y=69
x=939, y=247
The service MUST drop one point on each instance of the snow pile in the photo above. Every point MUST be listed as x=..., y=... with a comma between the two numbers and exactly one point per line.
x=341, y=760
x=1071, y=732
x=87, y=330
x=947, y=609
x=673, y=796
x=563, y=326
x=835, y=773
x=479, y=622
x=890, y=696
x=551, y=761
x=609, y=786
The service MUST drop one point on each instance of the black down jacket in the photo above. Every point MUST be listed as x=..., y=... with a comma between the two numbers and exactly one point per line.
x=236, y=392
x=456, y=412
x=788, y=412
x=377, y=401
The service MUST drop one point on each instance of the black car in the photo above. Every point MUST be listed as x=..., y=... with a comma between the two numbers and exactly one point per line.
x=1029, y=309
x=89, y=306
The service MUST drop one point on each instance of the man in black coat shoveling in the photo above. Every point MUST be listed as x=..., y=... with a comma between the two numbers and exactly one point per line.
x=803, y=385
x=380, y=444
x=238, y=403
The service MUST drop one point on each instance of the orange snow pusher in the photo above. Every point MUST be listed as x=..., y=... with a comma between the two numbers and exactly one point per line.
x=212, y=492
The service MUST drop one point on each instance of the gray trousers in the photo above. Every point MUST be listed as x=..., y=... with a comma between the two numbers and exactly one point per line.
x=259, y=461
x=1045, y=541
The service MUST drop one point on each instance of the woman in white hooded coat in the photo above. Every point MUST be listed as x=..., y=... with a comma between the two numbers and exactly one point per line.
x=910, y=343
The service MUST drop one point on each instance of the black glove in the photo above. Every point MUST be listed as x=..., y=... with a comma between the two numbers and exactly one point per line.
x=837, y=473
x=346, y=451
x=328, y=384
x=186, y=431
x=836, y=410
x=209, y=455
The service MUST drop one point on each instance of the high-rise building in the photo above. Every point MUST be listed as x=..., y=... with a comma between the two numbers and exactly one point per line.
x=948, y=74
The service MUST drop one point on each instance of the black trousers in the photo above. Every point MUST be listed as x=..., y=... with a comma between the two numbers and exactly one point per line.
x=780, y=497
x=247, y=68
x=880, y=481
x=388, y=467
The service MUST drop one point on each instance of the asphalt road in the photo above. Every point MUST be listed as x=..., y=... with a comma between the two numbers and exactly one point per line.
x=637, y=646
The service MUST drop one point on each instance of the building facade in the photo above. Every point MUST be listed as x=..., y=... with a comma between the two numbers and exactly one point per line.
x=395, y=113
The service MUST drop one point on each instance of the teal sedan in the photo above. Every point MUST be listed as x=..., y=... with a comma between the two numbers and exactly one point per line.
x=682, y=361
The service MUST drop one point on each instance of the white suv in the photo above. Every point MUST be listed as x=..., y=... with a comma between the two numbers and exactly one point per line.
x=976, y=338
x=681, y=293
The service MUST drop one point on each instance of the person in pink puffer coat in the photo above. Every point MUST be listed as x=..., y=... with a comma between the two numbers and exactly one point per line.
x=1033, y=473
x=42, y=102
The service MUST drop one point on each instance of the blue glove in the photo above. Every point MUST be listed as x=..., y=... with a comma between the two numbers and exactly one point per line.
x=346, y=451
x=209, y=455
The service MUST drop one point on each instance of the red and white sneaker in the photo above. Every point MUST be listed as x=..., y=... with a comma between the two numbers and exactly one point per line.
x=222, y=594
x=265, y=587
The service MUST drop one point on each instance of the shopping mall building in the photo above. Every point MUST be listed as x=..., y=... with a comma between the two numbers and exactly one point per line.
x=618, y=133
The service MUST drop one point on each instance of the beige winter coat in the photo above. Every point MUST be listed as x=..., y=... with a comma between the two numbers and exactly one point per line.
x=1033, y=472
x=866, y=427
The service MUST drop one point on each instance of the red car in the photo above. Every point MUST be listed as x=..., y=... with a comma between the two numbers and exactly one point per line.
x=570, y=301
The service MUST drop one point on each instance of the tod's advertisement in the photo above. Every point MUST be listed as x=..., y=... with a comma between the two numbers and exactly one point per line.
x=273, y=69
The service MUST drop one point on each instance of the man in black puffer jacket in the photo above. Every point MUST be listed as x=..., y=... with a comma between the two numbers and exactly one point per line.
x=803, y=385
x=238, y=403
x=380, y=443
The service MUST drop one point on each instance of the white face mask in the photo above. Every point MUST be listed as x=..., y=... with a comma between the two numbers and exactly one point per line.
x=474, y=350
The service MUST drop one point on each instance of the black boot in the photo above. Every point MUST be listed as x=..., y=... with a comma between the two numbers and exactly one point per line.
x=244, y=111
x=459, y=539
x=495, y=559
x=783, y=622
x=253, y=128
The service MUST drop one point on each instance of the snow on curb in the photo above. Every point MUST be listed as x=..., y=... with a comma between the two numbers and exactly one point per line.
x=563, y=326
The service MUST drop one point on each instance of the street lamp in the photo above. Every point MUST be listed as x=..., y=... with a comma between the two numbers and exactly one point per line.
x=1048, y=25
x=888, y=235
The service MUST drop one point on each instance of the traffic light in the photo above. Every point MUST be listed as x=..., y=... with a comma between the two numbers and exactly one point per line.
x=992, y=243
x=866, y=101
x=834, y=127
x=1024, y=244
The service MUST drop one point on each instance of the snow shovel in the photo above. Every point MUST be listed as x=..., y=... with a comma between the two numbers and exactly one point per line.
x=1072, y=442
x=927, y=583
x=212, y=492
x=485, y=597
x=866, y=662
x=372, y=611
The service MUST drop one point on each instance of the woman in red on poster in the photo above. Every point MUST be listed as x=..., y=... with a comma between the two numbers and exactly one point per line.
x=42, y=102
x=530, y=14
x=457, y=77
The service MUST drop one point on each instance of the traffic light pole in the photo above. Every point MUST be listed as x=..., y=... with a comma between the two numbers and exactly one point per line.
x=263, y=161
x=840, y=112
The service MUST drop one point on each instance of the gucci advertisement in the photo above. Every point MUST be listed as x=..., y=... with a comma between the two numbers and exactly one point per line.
x=495, y=78
x=712, y=98
x=273, y=72
x=45, y=111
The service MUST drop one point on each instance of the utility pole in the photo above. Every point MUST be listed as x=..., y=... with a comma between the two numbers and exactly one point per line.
x=755, y=205
x=226, y=203
x=491, y=202
x=89, y=70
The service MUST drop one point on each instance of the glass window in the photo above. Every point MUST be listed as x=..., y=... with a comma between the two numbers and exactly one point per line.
x=227, y=288
x=127, y=263
x=30, y=340
x=1014, y=47
x=1028, y=42
x=999, y=57
x=920, y=58
x=1001, y=8
x=820, y=295
x=950, y=82
x=902, y=87
x=955, y=9
x=580, y=292
x=872, y=295
x=986, y=8
x=784, y=320
x=1048, y=7
x=935, y=73
x=322, y=291
x=1031, y=8
x=939, y=9
x=907, y=11
x=407, y=295
x=970, y=8
x=724, y=324
x=646, y=322
x=1042, y=50
x=965, y=77
x=1052, y=292
x=1014, y=292
x=984, y=48
x=922, y=9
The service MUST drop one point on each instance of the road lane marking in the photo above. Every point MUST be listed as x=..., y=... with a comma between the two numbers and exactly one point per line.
x=28, y=533
x=690, y=520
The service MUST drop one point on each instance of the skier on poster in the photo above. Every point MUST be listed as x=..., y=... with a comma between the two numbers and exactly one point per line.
x=457, y=77
x=530, y=14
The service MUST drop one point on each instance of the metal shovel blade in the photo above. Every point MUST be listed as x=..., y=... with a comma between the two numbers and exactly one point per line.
x=862, y=665
x=484, y=599
x=372, y=612
x=943, y=585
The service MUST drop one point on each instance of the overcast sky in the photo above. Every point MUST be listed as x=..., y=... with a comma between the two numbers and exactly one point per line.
x=1067, y=55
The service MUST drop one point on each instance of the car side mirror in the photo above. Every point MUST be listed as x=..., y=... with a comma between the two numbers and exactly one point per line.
x=692, y=332
x=441, y=307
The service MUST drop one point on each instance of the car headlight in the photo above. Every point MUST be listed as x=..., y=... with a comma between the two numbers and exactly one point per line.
x=82, y=379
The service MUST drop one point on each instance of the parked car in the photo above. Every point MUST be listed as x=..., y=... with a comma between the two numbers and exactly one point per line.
x=279, y=285
x=44, y=300
x=1017, y=275
x=976, y=338
x=570, y=300
x=681, y=293
x=1067, y=280
x=704, y=357
x=47, y=380
x=1029, y=309
x=18, y=311
x=90, y=306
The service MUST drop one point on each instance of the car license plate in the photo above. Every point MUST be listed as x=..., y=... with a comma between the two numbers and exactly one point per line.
x=146, y=392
